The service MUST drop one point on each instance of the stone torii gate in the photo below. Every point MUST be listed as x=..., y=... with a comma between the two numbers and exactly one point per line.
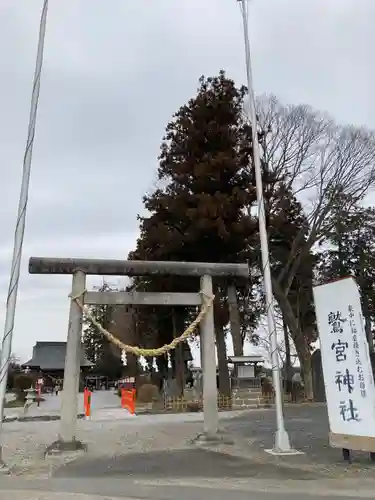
x=80, y=268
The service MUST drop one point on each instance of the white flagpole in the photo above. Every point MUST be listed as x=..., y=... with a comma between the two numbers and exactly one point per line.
x=282, y=444
x=6, y=349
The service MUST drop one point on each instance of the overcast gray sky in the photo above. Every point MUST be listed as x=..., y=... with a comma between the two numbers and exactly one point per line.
x=114, y=73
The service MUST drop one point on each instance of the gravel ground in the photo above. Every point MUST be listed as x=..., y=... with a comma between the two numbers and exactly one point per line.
x=156, y=452
x=308, y=430
x=25, y=443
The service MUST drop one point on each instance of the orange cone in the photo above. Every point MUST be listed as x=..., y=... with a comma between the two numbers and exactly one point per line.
x=128, y=400
x=87, y=403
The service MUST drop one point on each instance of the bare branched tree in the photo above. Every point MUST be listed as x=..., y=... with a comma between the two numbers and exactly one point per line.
x=264, y=341
x=315, y=161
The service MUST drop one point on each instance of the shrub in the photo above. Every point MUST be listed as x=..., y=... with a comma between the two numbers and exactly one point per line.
x=142, y=379
x=22, y=381
x=147, y=393
x=194, y=406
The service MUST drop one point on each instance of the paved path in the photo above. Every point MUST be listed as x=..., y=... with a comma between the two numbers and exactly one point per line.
x=100, y=400
x=126, y=489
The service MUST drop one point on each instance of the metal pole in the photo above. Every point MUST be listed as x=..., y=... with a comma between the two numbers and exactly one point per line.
x=282, y=444
x=6, y=348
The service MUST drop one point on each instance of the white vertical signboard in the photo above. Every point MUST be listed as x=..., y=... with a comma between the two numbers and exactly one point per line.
x=348, y=379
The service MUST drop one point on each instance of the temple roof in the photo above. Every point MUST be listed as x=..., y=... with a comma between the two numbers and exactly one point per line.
x=51, y=356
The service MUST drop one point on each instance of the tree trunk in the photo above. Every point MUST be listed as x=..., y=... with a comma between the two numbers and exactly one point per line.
x=370, y=338
x=301, y=345
x=162, y=364
x=150, y=364
x=179, y=360
x=123, y=327
x=286, y=310
x=224, y=384
x=221, y=317
x=234, y=319
x=288, y=362
x=366, y=315
x=304, y=356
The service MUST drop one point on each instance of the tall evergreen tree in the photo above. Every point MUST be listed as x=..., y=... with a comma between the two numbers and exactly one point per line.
x=351, y=252
x=199, y=214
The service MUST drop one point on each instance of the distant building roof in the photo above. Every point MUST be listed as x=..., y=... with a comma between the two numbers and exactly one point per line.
x=253, y=358
x=51, y=356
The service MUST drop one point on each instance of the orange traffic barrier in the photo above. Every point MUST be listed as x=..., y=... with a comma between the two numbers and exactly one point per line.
x=87, y=403
x=128, y=400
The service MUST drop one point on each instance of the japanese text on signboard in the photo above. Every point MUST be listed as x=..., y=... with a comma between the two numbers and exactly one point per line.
x=345, y=380
x=358, y=363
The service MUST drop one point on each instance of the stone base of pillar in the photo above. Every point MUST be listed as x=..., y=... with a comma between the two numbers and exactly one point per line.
x=4, y=469
x=59, y=447
x=221, y=437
